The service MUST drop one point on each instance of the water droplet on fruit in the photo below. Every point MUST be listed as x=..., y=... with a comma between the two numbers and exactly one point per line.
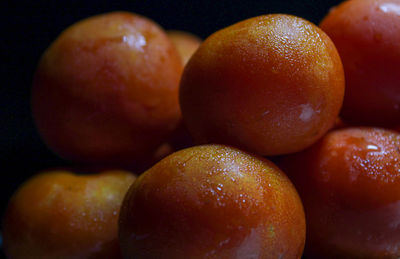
x=373, y=147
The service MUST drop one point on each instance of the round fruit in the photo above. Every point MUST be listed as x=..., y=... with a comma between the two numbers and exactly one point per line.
x=61, y=215
x=107, y=90
x=367, y=35
x=212, y=202
x=350, y=186
x=272, y=85
x=186, y=43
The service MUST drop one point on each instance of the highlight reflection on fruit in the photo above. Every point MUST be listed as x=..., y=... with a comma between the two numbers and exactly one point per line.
x=61, y=215
x=367, y=35
x=212, y=201
x=349, y=183
x=271, y=84
x=106, y=90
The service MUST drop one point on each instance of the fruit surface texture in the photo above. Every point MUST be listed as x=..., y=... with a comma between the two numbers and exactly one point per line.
x=271, y=85
x=106, y=90
x=349, y=183
x=212, y=201
x=58, y=214
x=367, y=35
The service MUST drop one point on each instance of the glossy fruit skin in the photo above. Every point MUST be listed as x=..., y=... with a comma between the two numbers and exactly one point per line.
x=185, y=42
x=271, y=85
x=57, y=214
x=106, y=91
x=349, y=183
x=212, y=201
x=367, y=35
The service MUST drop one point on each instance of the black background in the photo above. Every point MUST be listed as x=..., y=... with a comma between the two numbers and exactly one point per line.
x=29, y=27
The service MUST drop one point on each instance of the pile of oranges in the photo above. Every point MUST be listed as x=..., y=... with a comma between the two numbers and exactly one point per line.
x=200, y=124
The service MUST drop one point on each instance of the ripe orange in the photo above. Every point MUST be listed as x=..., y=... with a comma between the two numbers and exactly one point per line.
x=367, y=35
x=106, y=90
x=349, y=183
x=61, y=215
x=272, y=85
x=212, y=202
x=186, y=43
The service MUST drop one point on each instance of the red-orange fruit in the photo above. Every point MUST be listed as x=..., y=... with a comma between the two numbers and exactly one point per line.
x=349, y=183
x=185, y=42
x=367, y=35
x=61, y=215
x=271, y=84
x=212, y=202
x=106, y=90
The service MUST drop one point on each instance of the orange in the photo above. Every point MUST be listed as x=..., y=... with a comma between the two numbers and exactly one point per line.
x=272, y=85
x=212, y=201
x=367, y=35
x=106, y=90
x=185, y=42
x=349, y=183
x=57, y=214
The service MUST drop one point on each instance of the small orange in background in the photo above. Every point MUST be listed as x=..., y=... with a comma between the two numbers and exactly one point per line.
x=185, y=42
x=367, y=35
x=212, y=201
x=349, y=183
x=106, y=90
x=57, y=214
x=271, y=85
x=340, y=124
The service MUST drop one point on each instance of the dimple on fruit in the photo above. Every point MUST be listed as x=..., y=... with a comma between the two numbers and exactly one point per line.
x=272, y=85
x=212, y=201
x=106, y=90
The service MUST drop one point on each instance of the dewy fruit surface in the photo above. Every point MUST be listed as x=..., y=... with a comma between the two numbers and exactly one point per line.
x=58, y=214
x=272, y=85
x=212, y=201
x=349, y=182
x=367, y=35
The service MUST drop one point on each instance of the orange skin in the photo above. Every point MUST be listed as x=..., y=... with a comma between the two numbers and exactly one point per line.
x=186, y=44
x=271, y=84
x=349, y=183
x=367, y=35
x=61, y=215
x=212, y=202
x=106, y=91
